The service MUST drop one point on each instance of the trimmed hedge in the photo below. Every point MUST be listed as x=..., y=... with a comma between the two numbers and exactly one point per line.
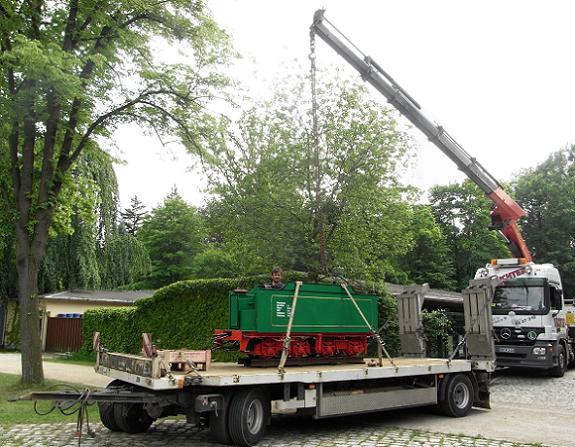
x=181, y=315
x=185, y=314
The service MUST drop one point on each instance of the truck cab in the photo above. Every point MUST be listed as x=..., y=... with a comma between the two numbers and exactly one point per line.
x=530, y=319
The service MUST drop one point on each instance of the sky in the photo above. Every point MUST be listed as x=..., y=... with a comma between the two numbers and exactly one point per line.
x=499, y=76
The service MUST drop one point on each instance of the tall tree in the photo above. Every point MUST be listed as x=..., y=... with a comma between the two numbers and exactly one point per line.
x=462, y=210
x=173, y=234
x=134, y=216
x=429, y=260
x=69, y=72
x=264, y=178
x=547, y=193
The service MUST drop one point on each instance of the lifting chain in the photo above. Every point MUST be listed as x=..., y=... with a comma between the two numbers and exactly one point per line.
x=316, y=157
x=313, y=70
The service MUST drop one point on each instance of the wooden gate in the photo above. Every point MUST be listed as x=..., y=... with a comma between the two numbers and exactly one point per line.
x=64, y=334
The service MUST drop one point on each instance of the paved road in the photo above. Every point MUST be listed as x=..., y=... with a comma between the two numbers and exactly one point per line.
x=10, y=363
x=287, y=432
x=526, y=409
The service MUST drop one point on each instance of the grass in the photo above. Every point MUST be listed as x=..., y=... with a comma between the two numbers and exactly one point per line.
x=22, y=412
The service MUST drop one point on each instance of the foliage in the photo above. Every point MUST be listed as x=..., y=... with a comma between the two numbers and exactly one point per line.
x=119, y=330
x=214, y=263
x=462, y=211
x=429, y=259
x=438, y=332
x=388, y=324
x=86, y=249
x=277, y=201
x=7, y=240
x=133, y=216
x=547, y=193
x=173, y=234
x=122, y=260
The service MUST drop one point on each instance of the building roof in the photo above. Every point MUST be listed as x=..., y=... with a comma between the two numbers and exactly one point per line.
x=108, y=296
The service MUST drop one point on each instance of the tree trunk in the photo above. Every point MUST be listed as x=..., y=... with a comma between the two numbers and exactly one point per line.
x=27, y=266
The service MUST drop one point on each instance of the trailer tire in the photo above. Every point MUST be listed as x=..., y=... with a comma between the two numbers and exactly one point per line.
x=131, y=418
x=458, y=398
x=106, y=409
x=248, y=415
x=559, y=370
x=218, y=423
x=107, y=418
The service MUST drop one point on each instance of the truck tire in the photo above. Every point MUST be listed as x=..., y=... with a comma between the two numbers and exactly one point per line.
x=559, y=370
x=248, y=416
x=106, y=409
x=458, y=398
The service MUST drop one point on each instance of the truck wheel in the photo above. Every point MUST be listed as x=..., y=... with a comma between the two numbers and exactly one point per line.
x=458, y=396
x=106, y=409
x=248, y=416
x=559, y=370
x=571, y=355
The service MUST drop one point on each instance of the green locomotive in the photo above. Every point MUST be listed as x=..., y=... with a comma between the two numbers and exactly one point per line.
x=326, y=322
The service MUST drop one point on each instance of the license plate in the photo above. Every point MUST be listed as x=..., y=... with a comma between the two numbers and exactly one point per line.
x=504, y=350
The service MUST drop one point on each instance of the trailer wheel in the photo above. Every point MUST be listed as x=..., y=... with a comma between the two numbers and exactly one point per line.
x=218, y=423
x=131, y=418
x=559, y=370
x=106, y=409
x=458, y=398
x=248, y=416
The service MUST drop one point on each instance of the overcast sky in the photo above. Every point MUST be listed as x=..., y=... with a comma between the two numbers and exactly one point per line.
x=498, y=75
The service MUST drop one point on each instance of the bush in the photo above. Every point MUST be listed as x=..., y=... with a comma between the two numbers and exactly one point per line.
x=117, y=327
x=438, y=333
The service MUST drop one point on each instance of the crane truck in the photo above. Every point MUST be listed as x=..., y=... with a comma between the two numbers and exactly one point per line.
x=236, y=401
x=533, y=328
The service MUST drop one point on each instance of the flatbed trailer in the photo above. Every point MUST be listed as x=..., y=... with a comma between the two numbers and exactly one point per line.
x=236, y=402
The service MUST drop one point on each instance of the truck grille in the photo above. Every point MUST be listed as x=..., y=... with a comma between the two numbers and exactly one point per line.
x=525, y=336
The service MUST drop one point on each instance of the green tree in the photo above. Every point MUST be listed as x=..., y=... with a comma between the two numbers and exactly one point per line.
x=268, y=209
x=214, y=263
x=134, y=216
x=173, y=234
x=547, y=193
x=429, y=260
x=83, y=222
x=69, y=72
x=463, y=213
x=122, y=260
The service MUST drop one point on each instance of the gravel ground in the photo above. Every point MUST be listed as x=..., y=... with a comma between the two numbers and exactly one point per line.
x=528, y=409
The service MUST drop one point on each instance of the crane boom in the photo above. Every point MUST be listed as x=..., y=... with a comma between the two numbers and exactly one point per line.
x=507, y=211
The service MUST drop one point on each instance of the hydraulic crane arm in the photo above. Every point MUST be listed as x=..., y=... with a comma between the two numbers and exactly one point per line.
x=507, y=211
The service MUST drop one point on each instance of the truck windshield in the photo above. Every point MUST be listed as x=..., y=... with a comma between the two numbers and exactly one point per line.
x=521, y=296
